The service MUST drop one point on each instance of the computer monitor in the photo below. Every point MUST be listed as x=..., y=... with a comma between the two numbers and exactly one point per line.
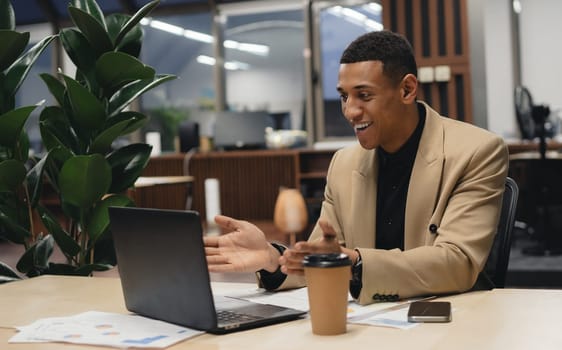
x=241, y=130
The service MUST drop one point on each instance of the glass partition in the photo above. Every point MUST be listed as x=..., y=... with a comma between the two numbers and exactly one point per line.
x=339, y=24
x=172, y=45
x=264, y=63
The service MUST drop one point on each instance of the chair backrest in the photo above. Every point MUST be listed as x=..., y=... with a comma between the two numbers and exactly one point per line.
x=188, y=132
x=496, y=265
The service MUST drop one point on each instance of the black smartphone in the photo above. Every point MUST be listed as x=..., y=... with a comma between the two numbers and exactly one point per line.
x=429, y=311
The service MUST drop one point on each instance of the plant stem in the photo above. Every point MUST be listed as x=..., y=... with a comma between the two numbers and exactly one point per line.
x=29, y=214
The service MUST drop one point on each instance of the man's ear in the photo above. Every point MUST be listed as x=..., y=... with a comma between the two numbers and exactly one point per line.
x=409, y=88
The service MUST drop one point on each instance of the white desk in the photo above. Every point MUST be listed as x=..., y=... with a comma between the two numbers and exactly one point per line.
x=500, y=319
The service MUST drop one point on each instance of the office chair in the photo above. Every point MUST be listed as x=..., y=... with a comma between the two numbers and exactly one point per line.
x=496, y=265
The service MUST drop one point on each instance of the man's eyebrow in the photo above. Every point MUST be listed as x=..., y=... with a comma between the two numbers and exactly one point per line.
x=357, y=87
x=364, y=86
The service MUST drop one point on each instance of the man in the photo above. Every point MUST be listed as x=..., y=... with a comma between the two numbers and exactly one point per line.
x=415, y=204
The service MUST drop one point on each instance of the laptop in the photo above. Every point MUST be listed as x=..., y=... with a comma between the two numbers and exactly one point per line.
x=164, y=274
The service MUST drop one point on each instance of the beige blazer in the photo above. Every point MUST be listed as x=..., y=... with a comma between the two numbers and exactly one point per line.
x=456, y=184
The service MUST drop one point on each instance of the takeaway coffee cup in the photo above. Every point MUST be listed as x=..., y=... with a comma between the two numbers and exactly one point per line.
x=327, y=278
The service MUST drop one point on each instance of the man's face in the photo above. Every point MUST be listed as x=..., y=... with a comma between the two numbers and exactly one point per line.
x=372, y=103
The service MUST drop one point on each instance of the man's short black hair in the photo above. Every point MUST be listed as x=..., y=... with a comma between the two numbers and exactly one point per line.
x=392, y=49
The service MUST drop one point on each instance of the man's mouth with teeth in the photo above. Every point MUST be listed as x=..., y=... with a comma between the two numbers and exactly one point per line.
x=362, y=126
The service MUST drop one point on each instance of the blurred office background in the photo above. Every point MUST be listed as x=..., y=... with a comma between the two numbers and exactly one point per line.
x=280, y=59
x=281, y=56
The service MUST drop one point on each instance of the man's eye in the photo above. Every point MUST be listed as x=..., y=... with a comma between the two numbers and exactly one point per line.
x=364, y=96
x=343, y=98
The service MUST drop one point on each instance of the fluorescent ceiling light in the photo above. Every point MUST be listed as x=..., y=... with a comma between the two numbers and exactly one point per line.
x=197, y=36
x=355, y=17
x=516, y=6
x=260, y=50
x=230, y=65
x=373, y=8
x=166, y=27
x=256, y=49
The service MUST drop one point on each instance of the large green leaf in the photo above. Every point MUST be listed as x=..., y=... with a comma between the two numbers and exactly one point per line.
x=6, y=279
x=136, y=121
x=132, y=41
x=99, y=220
x=55, y=86
x=6, y=270
x=17, y=72
x=22, y=148
x=11, y=125
x=115, y=69
x=12, y=174
x=78, y=49
x=14, y=231
x=86, y=270
x=13, y=207
x=58, y=156
x=43, y=252
x=7, y=16
x=7, y=101
x=102, y=143
x=93, y=30
x=71, y=211
x=25, y=263
x=83, y=180
x=55, y=130
x=91, y=7
x=141, y=13
x=130, y=92
x=35, y=179
x=121, y=124
x=83, y=134
x=12, y=45
x=62, y=269
x=35, y=259
x=87, y=111
x=68, y=246
x=127, y=163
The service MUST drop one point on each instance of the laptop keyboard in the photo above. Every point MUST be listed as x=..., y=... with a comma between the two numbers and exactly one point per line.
x=226, y=316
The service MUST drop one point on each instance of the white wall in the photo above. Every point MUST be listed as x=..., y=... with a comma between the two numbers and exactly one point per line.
x=286, y=87
x=499, y=68
x=541, y=48
x=491, y=50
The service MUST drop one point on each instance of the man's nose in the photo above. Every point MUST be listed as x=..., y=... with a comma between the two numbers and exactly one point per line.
x=352, y=111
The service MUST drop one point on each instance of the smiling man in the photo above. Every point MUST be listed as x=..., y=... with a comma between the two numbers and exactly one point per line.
x=415, y=204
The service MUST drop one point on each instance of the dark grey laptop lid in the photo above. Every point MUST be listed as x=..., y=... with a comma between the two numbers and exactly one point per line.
x=162, y=265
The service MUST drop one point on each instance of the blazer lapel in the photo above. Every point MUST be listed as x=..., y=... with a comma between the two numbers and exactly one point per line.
x=424, y=181
x=364, y=200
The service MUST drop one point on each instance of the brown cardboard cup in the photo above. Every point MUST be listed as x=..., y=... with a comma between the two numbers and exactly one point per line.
x=327, y=278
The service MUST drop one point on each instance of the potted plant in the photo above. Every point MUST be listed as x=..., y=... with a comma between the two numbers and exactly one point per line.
x=19, y=185
x=82, y=165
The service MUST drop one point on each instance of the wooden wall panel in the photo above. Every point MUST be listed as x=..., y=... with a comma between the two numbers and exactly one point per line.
x=249, y=181
x=165, y=196
x=438, y=32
